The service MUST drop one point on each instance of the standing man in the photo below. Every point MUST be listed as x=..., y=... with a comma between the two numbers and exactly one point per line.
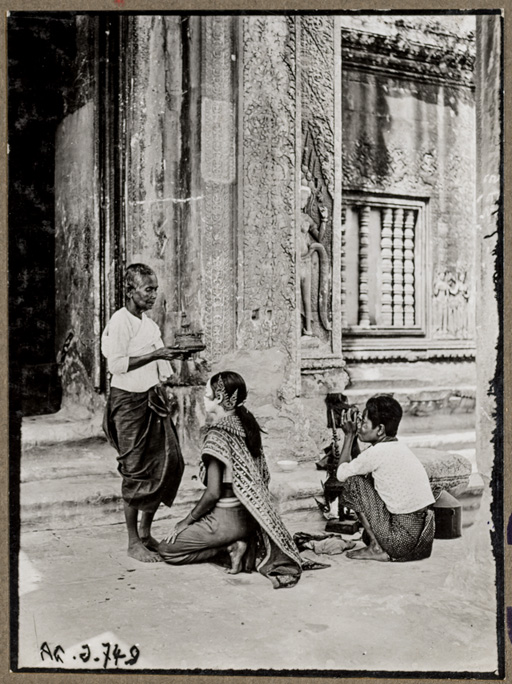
x=137, y=415
x=386, y=485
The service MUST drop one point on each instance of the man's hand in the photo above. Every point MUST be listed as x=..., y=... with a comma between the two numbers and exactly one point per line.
x=168, y=354
x=350, y=421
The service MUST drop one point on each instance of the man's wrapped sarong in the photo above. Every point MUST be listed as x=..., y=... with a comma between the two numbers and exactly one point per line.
x=404, y=536
x=140, y=428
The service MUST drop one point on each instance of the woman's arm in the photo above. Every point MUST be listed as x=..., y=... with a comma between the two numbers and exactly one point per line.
x=208, y=500
x=212, y=492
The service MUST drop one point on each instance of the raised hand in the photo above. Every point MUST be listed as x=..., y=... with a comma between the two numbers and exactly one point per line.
x=350, y=421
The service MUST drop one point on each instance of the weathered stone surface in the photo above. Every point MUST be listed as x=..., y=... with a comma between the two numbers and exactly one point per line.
x=154, y=148
x=320, y=117
x=76, y=266
x=420, y=373
x=266, y=374
x=408, y=135
x=477, y=571
x=218, y=172
x=446, y=471
x=268, y=295
x=187, y=411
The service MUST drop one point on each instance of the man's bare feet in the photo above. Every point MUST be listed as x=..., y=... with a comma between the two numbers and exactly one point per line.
x=149, y=542
x=369, y=553
x=138, y=551
x=236, y=553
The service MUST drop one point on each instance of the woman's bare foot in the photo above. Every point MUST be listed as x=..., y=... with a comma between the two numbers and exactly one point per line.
x=138, y=551
x=149, y=542
x=369, y=553
x=236, y=553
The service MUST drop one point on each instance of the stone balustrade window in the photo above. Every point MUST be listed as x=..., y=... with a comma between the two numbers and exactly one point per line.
x=384, y=264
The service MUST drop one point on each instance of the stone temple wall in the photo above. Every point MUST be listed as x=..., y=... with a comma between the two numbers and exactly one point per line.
x=222, y=120
x=409, y=132
x=267, y=342
x=77, y=200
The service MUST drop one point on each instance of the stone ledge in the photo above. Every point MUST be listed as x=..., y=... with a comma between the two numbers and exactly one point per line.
x=54, y=428
x=95, y=499
x=60, y=499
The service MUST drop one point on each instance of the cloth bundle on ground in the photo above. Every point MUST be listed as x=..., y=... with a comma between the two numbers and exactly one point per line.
x=329, y=544
x=139, y=427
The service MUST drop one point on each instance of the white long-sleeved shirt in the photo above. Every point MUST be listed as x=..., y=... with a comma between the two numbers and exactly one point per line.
x=399, y=477
x=127, y=336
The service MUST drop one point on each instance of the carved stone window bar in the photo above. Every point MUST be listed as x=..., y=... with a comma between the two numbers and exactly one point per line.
x=384, y=266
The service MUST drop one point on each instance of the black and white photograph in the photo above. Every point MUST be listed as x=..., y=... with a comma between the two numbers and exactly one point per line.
x=256, y=360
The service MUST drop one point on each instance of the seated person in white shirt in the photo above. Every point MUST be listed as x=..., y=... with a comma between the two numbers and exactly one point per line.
x=386, y=485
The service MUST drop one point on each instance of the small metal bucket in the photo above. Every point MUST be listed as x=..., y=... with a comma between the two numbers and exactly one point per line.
x=448, y=517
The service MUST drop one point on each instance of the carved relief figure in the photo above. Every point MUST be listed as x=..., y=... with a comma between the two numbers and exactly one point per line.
x=311, y=237
x=458, y=305
x=440, y=310
x=451, y=305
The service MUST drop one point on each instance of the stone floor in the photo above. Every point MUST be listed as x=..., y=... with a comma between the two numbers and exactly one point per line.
x=79, y=591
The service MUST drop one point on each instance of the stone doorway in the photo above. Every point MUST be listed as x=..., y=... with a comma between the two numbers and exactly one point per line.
x=35, y=106
x=49, y=156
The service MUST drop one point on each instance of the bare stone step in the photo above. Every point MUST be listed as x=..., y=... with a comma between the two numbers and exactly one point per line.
x=446, y=440
x=71, y=484
x=59, y=427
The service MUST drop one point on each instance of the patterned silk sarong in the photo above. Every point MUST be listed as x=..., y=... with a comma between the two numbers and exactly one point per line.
x=140, y=428
x=403, y=536
x=272, y=550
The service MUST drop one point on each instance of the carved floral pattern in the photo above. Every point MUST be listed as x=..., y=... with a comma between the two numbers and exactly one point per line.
x=268, y=129
x=452, y=63
x=317, y=84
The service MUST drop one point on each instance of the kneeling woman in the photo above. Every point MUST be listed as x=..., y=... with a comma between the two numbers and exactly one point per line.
x=235, y=513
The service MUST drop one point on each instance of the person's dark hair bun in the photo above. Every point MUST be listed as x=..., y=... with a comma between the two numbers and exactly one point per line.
x=233, y=382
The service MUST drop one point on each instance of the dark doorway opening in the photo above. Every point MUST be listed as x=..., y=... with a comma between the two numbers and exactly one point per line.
x=40, y=51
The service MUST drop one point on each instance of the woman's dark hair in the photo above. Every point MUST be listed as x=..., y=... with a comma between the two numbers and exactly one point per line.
x=134, y=274
x=234, y=382
x=383, y=409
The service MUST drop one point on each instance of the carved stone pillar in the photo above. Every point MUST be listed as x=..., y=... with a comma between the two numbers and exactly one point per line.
x=154, y=191
x=409, y=317
x=386, y=245
x=364, y=243
x=218, y=173
x=398, y=268
x=267, y=306
x=343, y=266
x=319, y=104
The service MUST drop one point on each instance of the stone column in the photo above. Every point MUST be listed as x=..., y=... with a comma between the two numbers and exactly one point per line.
x=475, y=574
x=154, y=196
x=77, y=231
x=267, y=255
x=218, y=177
x=267, y=331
